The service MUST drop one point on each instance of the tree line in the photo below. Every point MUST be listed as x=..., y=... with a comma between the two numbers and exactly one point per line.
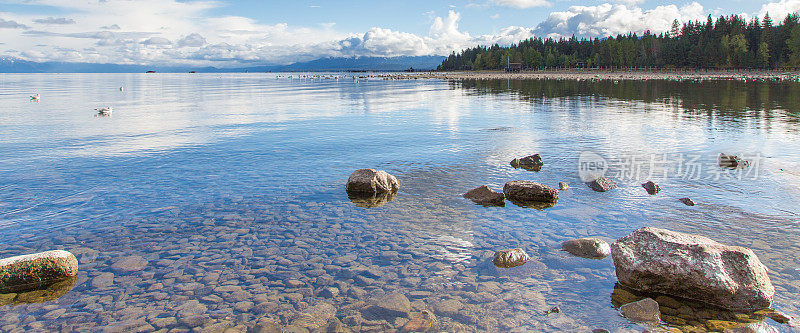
x=729, y=42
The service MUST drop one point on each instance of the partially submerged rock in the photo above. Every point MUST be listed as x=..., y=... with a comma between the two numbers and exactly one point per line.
x=690, y=266
x=687, y=201
x=526, y=193
x=485, y=196
x=33, y=271
x=644, y=311
x=591, y=248
x=371, y=181
x=532, y=162
x=562, y=186
x=602, y=184
x=510, y=258
x=775, y=315
x=651, y=188
x=732, y=161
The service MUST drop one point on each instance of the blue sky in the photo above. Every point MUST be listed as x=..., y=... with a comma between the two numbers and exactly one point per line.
x=244, y=32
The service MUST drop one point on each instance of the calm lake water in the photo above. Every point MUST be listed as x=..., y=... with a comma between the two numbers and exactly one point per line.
x=217, y=201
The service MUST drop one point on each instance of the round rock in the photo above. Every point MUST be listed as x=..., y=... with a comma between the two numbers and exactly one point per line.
x=33, y=271
x=371, y=181
x=591, y=248
x=510, y=258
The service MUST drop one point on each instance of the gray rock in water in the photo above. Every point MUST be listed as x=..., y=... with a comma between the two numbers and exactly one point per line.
x=388, y=307
x=525, y=193
x=732, y=161
x=33, y=271
x=316, y=316
x=759, y=327
x=532, y=162
x=562, y=186
x=371, y=181
x=651, y=188
x=591, y=248
x=510, y=258
x=602, y=184
x=686, y=201
x=690, y=266
x=644, y=311
x=485, y=196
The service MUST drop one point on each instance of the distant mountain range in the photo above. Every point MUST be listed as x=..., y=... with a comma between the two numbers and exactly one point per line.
x=12, y=65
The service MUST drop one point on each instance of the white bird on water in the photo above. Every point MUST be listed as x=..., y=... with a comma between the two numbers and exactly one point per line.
x=106, y=111
x=35, y=98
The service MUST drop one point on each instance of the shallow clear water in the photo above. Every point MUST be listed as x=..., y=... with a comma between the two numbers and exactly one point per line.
x=228, y=191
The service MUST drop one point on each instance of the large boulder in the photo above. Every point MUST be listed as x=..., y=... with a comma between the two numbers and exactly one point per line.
x=527, y=193
x=690, y=266
x=485, y=196
x=371, y=181
x=591, y=248
x=33, y=271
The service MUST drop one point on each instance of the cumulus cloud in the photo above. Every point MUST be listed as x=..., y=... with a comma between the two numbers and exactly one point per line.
x=157, y=41
x=55, y=20
x=779, y=10
x=111, y=27
x=192, y=40
x=9, y=24
x=612, y=19
x=522, y=4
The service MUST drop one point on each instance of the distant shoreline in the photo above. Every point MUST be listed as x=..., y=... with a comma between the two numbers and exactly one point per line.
x=673, y=75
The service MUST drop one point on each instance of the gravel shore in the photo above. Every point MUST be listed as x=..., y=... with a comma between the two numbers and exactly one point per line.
x=611, y=75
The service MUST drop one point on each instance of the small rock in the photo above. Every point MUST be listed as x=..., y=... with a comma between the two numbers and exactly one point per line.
x=389, y=307
x=371, y=181
x=562, y=186
x=525, y=193
x=510, y=258
x=602, y=184
x=129, y=264
x=600, y=330
x=485, y=196
x=554, y=309
x=686, y=201
x=591, y=248
x=448, y=307
x=421, y=322
x=651, y=188
x=329, y=292
x=732, y=161
x=645, y=311
x=532, y=162
x=315, y=316
x=103, y=280
x=32, y=271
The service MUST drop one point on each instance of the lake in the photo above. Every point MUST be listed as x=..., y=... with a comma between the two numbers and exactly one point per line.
x=218, y=201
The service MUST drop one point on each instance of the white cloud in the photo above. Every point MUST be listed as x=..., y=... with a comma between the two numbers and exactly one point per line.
x=779, y=10
x=192, y=40
x=10, y=24
x=612, y=19
x=55, y=20
x=522, y=4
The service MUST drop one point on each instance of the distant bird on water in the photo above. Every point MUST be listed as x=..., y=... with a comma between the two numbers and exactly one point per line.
x=106, y=111
x=35, y=98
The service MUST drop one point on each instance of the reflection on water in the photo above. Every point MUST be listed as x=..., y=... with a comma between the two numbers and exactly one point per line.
x=229, y=192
